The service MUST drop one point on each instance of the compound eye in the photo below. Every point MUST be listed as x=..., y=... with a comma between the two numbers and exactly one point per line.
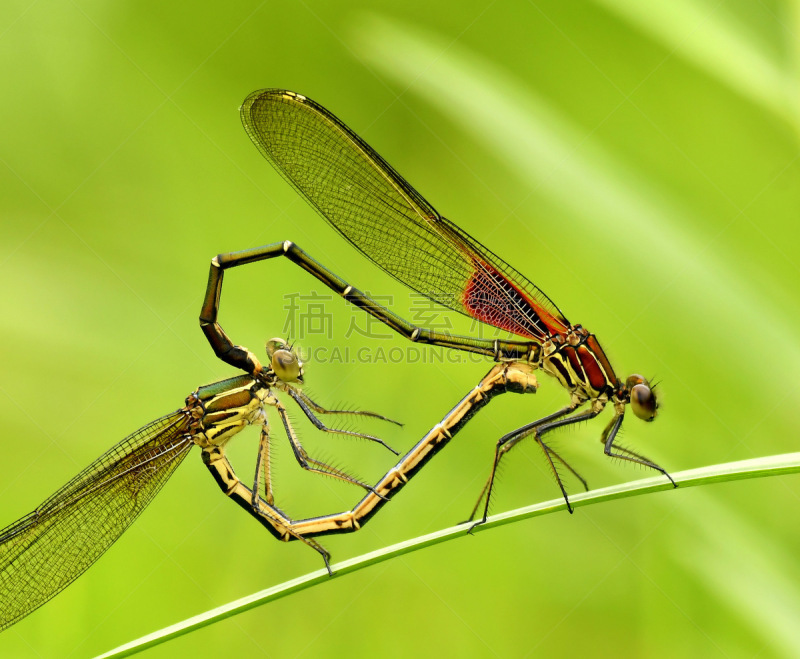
x=643, y=402
x=275, y=344
x=635, y=379
x=286, y=365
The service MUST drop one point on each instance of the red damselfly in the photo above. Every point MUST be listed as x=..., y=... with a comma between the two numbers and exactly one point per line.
x=373, y=207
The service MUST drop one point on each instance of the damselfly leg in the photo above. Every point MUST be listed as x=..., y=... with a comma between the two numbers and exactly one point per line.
x=317, y=466
x=510, y=440
x=310, y=408
x=613, y=450
x=538, y=429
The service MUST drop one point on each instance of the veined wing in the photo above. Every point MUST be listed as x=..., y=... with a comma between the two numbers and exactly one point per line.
x=46, y=550
x=384, y=217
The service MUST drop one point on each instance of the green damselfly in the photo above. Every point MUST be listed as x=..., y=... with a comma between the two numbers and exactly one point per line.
x=43, y=552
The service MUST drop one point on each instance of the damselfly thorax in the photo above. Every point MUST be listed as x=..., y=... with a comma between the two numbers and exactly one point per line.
x=579, y=363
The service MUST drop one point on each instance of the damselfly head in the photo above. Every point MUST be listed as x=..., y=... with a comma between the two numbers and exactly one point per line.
x=642, y=396
x=284, y=361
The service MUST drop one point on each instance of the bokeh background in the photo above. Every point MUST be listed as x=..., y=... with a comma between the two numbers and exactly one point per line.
x=638, y=161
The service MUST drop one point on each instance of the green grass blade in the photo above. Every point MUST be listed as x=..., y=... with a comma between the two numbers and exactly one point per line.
x=776, y=465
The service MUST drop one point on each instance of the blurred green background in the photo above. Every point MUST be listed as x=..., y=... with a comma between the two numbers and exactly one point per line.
x=638, y=161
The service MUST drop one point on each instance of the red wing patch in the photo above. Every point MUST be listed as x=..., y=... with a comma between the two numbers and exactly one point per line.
x=491, y=298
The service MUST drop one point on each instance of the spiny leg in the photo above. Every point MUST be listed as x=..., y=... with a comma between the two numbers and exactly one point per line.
x=548, y=452
x=566, y=464
x=316, y=407
x=264, y=467
x=310, y=464
x=560, y=423
x=536, y=428
x=608, y=437
x=519, y=433
x=301, y=402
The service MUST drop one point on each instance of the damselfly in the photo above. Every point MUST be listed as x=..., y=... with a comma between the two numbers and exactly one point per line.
x=45, y=551
x=361, y=196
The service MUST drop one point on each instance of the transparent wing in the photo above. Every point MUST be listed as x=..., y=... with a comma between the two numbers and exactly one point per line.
x=45, y=551
x=384, y=217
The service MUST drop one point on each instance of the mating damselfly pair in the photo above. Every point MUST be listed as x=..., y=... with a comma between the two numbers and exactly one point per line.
x=385, y=218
